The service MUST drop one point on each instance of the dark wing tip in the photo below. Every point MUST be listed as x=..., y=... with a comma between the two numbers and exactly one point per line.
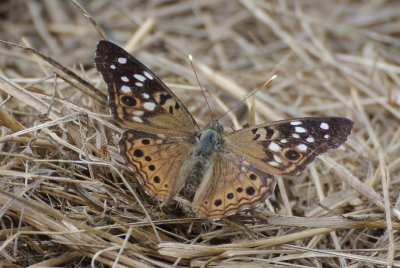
x=103, y=44
x=343, y=128
x=104, y=51
x=347, y=123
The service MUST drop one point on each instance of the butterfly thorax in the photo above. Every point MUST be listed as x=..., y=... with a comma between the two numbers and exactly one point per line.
x=209, y=142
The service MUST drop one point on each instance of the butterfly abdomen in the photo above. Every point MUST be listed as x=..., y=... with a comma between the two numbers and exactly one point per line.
x=198, y=164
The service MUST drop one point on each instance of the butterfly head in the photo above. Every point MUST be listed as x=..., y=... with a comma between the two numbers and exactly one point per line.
x=210, y=139
x=215, y=126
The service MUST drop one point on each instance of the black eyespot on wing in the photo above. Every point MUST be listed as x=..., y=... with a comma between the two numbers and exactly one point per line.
x=138, y=153
x=253, y=177
x=292, y=155
x=145, y=142
x=128, y=101
x=217, y=202
x=250, y=190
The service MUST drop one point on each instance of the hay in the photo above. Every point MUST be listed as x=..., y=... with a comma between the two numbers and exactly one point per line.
x=66, y=197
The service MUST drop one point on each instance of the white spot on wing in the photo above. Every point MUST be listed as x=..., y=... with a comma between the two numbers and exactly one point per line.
x=273, y=163
x=274, y=147
x=310, y=139
x=138, y=113
x=126, y=89
x=149, y=76
x=295, y=123
x=324, y=126
x=300, y=129
x=150, y=106
x=145, y=96
x=125, y=79
x=277, y=159
x=283, y=141
x=326, y=136
x=302, y=147
x=140, y=77
x=112, y=66
x=139, y=84
x=122, y=60
x=137, y=119
x=294, y=135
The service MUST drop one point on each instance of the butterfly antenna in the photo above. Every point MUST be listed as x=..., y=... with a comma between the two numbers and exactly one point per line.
x=248, y=96
x=198, y=82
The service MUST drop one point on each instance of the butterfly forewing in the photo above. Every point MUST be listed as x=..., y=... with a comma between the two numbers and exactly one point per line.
x=286, y=147
x=137, y=97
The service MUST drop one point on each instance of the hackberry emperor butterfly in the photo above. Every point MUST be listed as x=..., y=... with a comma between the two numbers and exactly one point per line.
x=221, y=174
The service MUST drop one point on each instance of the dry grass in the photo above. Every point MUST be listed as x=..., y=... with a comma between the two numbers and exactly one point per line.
x=66, y=198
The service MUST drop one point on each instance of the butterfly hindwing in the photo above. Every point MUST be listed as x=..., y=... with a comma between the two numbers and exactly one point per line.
x=231, y=186
x=286, y=147
x=155, y=159
x=138, y=98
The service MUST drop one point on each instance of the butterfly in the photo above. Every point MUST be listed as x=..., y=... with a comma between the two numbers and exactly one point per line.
x=220, y=173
